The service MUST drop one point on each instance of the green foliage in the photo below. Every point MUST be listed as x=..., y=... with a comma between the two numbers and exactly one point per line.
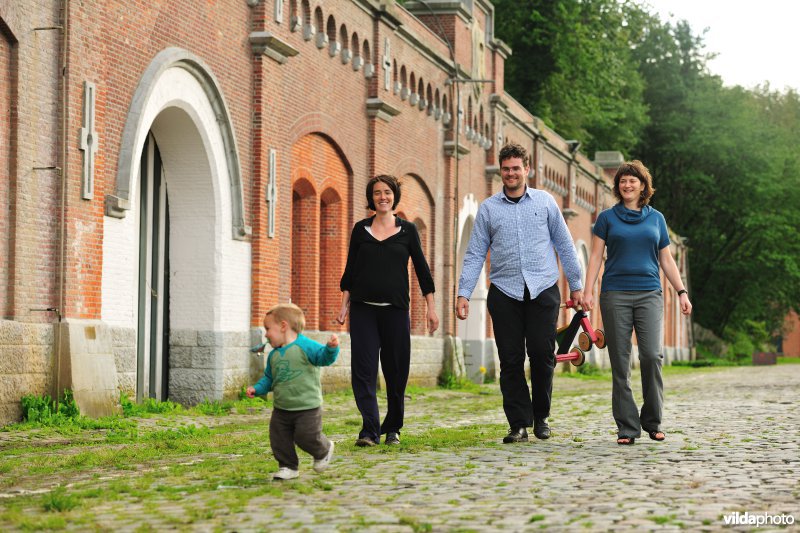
x=706, y=362
x=214, y=407
x=573, y=67
x=742, y=347
x=59, y=500
x=148, y=406
x=588, y=369
x=42, y=409
x=448, y=380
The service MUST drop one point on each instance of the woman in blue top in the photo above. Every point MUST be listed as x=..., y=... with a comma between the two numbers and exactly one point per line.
x=637, y=240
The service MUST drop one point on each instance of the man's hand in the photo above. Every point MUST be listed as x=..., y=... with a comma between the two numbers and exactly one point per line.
x=251, y=392
x=577, y=297
x=462, y=308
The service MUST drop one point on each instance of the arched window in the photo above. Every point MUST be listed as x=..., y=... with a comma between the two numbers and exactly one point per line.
x=294, y=19
x=355, y=47
x=334, y=47
x=308, y=28
x=429, y=98
x=304, y=224
x=344, y=39
x=332, y=250
x=331, y=29
x=318, y=18
x=366, y=54
x=404, y=90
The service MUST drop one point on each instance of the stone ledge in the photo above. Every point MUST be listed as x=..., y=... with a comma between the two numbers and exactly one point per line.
x=264, y=42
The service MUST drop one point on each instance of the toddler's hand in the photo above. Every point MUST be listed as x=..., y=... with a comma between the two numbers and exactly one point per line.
x=251, y=392
x=333, y=342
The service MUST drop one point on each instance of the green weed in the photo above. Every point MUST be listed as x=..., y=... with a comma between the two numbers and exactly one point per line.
x=58, y=500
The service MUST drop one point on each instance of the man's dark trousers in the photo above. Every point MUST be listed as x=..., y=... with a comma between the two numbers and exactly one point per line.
x=519, y=325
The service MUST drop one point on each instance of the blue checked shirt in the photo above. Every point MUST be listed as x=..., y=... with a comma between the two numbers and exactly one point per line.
x=523, y=239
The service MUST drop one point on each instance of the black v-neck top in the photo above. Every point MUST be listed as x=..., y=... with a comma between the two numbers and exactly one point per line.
x=377, y=271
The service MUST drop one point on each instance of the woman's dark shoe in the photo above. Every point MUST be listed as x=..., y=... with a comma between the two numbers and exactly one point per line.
x=364, y=442
x=516, y=435
x=626, y=441
x=392, y=438
x=657, y=435
x=541, y=428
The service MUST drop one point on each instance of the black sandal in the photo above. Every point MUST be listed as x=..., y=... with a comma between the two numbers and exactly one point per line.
x=630, y=440
x=654, y=435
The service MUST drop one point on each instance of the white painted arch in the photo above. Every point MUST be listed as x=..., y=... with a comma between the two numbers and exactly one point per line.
x=209, y=266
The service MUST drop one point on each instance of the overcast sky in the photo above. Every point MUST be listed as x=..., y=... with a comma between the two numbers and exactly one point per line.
x=756, y=41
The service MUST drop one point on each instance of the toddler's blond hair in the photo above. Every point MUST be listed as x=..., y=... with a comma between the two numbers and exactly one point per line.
x=292, y=314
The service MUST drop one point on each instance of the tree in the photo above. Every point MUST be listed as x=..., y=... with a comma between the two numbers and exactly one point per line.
x=727, y=178
x=572, y=66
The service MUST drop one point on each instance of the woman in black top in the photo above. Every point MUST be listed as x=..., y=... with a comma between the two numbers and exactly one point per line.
x=375, y=290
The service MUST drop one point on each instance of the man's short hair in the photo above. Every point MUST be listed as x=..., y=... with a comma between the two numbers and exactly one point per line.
x=514, y=150
x=292, y=314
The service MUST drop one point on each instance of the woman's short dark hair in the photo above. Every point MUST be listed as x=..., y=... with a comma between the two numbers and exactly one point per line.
x=391, y=181
x=636, y=169
x=514, y=150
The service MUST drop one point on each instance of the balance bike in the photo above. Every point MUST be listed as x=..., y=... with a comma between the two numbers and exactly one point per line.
x=566, y=335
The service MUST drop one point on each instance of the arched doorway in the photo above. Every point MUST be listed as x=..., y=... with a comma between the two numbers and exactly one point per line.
x=472, y=331
x=152, y=342
x=177, y=272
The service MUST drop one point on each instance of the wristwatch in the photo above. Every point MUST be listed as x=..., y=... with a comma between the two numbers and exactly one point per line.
x=683, y=291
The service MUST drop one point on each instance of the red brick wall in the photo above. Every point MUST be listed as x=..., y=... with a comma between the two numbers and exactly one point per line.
x=30, y=215
x=791, y=337
x=106, y=34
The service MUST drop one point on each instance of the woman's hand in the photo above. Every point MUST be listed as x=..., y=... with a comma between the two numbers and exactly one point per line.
x=588, y=301
x=686, y=305
x=433, y=321
x=342, y=316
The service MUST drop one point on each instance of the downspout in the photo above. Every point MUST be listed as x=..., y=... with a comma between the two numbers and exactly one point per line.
x=64, y=68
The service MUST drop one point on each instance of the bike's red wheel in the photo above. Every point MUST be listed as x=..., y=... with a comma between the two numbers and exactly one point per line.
x=601, y=338
x=584, y=341
x=581, y=356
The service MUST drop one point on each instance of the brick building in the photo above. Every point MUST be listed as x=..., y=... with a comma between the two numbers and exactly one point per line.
x=169, y=169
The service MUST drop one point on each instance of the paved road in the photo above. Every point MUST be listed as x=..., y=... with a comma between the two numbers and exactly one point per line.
x=732, y=446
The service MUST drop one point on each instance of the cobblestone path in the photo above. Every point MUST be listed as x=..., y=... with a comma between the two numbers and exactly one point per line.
x=732, y=446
